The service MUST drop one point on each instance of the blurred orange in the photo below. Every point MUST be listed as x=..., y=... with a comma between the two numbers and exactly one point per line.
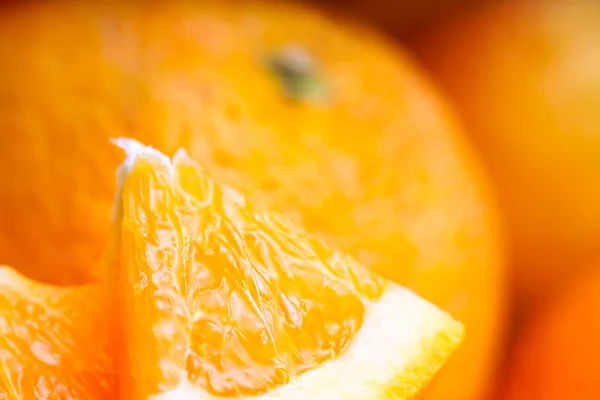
x=558, y=354
x=526, y=77
x=400, y=16
x=326, y=122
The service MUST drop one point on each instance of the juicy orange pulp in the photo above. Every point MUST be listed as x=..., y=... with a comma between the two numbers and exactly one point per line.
x=54, y=342
x=229, y=294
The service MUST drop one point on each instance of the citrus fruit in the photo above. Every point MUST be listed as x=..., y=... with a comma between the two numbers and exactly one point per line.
x=528, y=86
x=557, y=355
x=322, y=121
x=54, y=341
x=221, y=298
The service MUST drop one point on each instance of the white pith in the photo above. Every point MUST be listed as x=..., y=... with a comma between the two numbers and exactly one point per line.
x=389, y=346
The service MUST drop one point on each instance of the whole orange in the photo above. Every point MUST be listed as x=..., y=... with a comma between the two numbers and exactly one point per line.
x=324, y=121
x=526, y=77
x=558, y=355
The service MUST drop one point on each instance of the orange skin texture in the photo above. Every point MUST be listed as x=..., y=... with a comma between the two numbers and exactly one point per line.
x=379, y=170
x=557, y=355
x=526, y=78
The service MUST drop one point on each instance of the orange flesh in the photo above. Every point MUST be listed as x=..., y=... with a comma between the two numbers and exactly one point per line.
x=225, y=295
x=54, y=342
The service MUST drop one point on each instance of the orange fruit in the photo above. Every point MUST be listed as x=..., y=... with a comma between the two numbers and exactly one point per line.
x=54, y=341
x=557, y=355
x=526, y=77
x=322, y=121
x=222, y=298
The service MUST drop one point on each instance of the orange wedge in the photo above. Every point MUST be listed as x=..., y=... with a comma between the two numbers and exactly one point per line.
x=54, y=341
x=219, y=298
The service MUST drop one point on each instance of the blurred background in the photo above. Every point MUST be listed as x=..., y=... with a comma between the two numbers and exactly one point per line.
x=523, y=77
x=451, y=145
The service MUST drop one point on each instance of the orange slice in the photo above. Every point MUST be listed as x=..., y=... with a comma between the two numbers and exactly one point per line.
x=54, y=341
x=220, y=298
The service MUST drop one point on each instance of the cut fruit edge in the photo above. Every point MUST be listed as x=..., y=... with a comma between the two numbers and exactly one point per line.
x=402, y=343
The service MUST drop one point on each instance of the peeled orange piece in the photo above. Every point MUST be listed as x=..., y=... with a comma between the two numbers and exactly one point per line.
x=54, y=341
x=220, y=298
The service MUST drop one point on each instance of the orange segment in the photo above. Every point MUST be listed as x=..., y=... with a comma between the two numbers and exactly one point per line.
x=54, y=341
x=242, y=298
x=220, y=298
